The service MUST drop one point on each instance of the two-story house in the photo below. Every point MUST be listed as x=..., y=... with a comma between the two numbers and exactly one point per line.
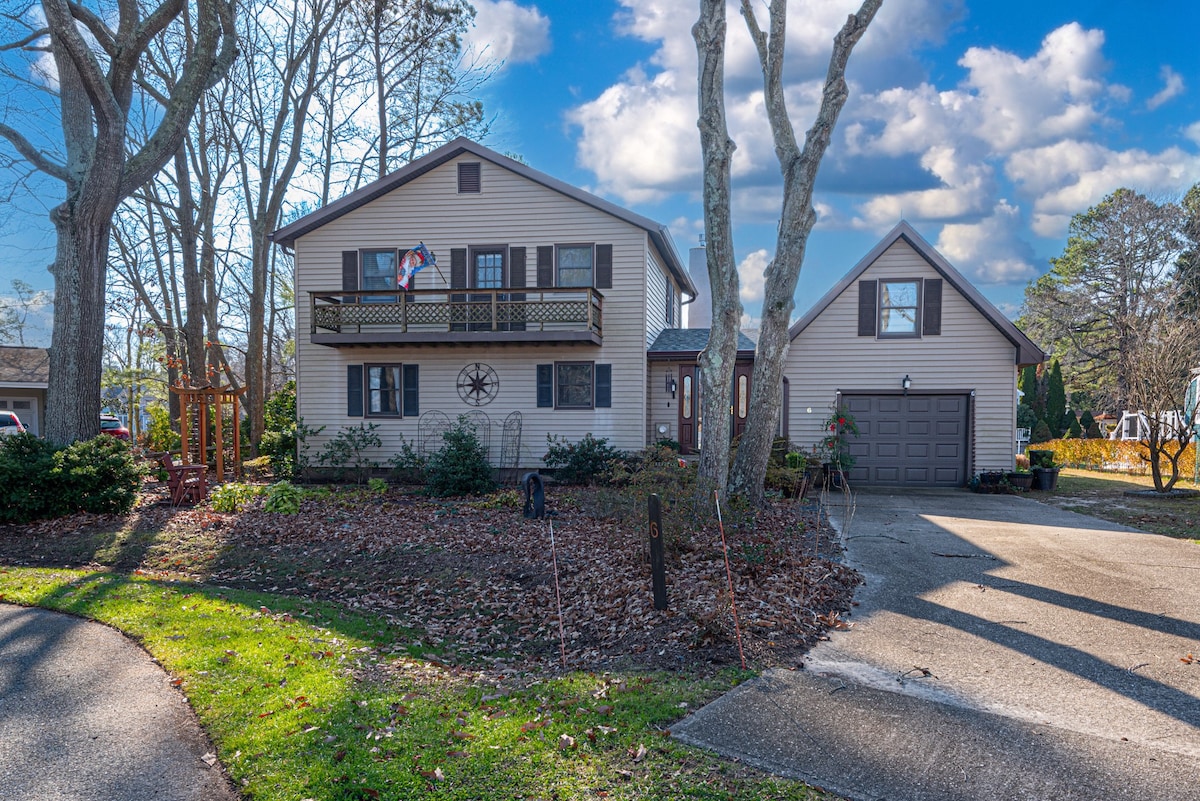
x=542, y=301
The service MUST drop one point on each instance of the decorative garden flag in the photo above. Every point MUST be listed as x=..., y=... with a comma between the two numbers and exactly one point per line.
x=413, y=262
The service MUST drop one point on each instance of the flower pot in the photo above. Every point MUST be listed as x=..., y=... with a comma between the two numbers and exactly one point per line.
x=1045, y=478
x=1020, y=481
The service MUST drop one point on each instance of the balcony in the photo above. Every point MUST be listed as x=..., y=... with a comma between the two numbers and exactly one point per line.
x=342, y=318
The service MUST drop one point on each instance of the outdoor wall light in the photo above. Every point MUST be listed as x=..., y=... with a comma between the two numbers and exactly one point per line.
x=671, y=384
x=906, y=382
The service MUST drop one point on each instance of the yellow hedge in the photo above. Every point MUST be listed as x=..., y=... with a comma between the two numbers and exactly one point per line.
x=1111, y=454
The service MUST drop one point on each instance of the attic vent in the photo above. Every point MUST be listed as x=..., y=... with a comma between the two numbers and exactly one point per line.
x=468, y=178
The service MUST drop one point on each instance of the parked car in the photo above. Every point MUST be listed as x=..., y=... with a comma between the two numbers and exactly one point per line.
x=111, y=424
x=10, y=424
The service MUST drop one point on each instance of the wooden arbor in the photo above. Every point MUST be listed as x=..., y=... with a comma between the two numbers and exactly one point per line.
x=203, y=412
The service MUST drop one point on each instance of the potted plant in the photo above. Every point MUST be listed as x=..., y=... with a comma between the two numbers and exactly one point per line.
x=1045, y=471
x=1021, y=480
x=988, y=481
x=838, y=462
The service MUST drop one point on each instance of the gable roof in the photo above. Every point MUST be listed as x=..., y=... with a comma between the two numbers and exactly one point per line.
x=25, y=367
x=684, y=342
x=288, y=234
x=1027, y=352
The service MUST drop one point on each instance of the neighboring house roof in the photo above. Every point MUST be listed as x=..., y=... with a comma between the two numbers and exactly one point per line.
x=1027, y=352
x=682, y=343
x=24, y=367
x=287, y=235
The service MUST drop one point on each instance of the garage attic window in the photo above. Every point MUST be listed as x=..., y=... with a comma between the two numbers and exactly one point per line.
x=899, y=307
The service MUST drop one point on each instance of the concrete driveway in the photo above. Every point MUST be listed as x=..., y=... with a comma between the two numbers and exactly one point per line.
x=1001, y=649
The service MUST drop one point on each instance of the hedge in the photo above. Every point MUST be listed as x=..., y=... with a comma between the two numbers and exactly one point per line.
x=1115, y=455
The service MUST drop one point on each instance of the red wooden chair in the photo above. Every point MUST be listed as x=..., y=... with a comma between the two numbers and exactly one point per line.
x=185, y=482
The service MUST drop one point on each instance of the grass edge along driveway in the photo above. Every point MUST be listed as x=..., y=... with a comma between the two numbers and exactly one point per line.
x=308, y=701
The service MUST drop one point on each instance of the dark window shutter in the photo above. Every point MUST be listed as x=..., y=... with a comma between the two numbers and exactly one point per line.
x=458, y=268
x=458, y=280
x=354, y=390
x=469, y=181
x=545, y=265
x=349, y=273
x=931, y=317
x=517, y=279
x=603, y=266
x=545, y=385
x=603, y=377
x=516, y=268
x=867, y=307
x=412, y=402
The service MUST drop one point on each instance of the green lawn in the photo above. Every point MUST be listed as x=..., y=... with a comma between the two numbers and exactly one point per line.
x=1104, y=495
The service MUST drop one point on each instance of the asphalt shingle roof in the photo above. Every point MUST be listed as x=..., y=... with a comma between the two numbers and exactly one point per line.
x=690, y=340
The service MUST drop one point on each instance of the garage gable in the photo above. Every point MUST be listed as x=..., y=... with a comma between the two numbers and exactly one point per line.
x=900, y=306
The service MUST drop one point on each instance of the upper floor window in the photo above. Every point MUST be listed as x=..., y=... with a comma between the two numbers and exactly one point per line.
x=899, y=304
x=574, y=265
x=378, y=269
x=489, y=269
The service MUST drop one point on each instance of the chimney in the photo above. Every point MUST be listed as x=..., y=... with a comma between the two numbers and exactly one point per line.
x=700, y=310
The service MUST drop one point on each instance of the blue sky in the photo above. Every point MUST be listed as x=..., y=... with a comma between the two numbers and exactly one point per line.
x=984, y=124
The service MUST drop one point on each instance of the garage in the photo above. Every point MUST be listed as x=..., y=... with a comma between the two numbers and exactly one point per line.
x=909, y=440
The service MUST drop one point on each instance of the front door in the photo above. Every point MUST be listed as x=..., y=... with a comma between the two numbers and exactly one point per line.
x=689, y=409
x=740, y=409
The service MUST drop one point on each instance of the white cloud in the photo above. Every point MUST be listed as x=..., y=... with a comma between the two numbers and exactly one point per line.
x=1071, y=176
x=1172, y=87
x=1030, y=101
x=640, y=136
x=752, y=276
x=1193, y=132
x=990, y=251
x=966, y=189
x=638, y=157
x=508, y=32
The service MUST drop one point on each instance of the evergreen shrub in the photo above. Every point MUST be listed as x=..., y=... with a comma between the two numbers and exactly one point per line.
x=40, y=480
x=460, y=466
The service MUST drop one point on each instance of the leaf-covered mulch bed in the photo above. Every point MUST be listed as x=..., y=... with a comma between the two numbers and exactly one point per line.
x=475, y=581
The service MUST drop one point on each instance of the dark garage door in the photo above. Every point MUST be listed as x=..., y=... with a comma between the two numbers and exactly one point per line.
x=909, y=440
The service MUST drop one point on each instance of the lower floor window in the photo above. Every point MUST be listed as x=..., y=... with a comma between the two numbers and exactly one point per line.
x=384, y=384
x=574, y=385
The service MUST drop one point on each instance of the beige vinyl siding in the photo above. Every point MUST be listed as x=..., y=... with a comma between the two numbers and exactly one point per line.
x=969, y=355
x=656, y=298
x=439, y=370
x=512, y=211
x=662, y=407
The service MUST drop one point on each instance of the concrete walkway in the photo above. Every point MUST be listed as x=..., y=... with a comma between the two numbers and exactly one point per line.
x=1002, y=649
x=86, y=715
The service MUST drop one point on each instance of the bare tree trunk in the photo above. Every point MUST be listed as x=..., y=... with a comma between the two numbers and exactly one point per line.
x=718, y=357
x=799, y=168
x=96, y=90
x=77, y=342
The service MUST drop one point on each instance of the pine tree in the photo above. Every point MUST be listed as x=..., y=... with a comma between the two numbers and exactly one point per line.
x=1071, y=427
x=1086, y=423
x=1041, y=432
x=1056, y=400
x=1031, y=391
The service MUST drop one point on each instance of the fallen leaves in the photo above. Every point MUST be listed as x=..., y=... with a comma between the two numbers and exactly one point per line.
x=478, y=583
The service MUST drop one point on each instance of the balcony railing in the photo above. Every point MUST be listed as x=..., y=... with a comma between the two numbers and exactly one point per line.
x=366, y=317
